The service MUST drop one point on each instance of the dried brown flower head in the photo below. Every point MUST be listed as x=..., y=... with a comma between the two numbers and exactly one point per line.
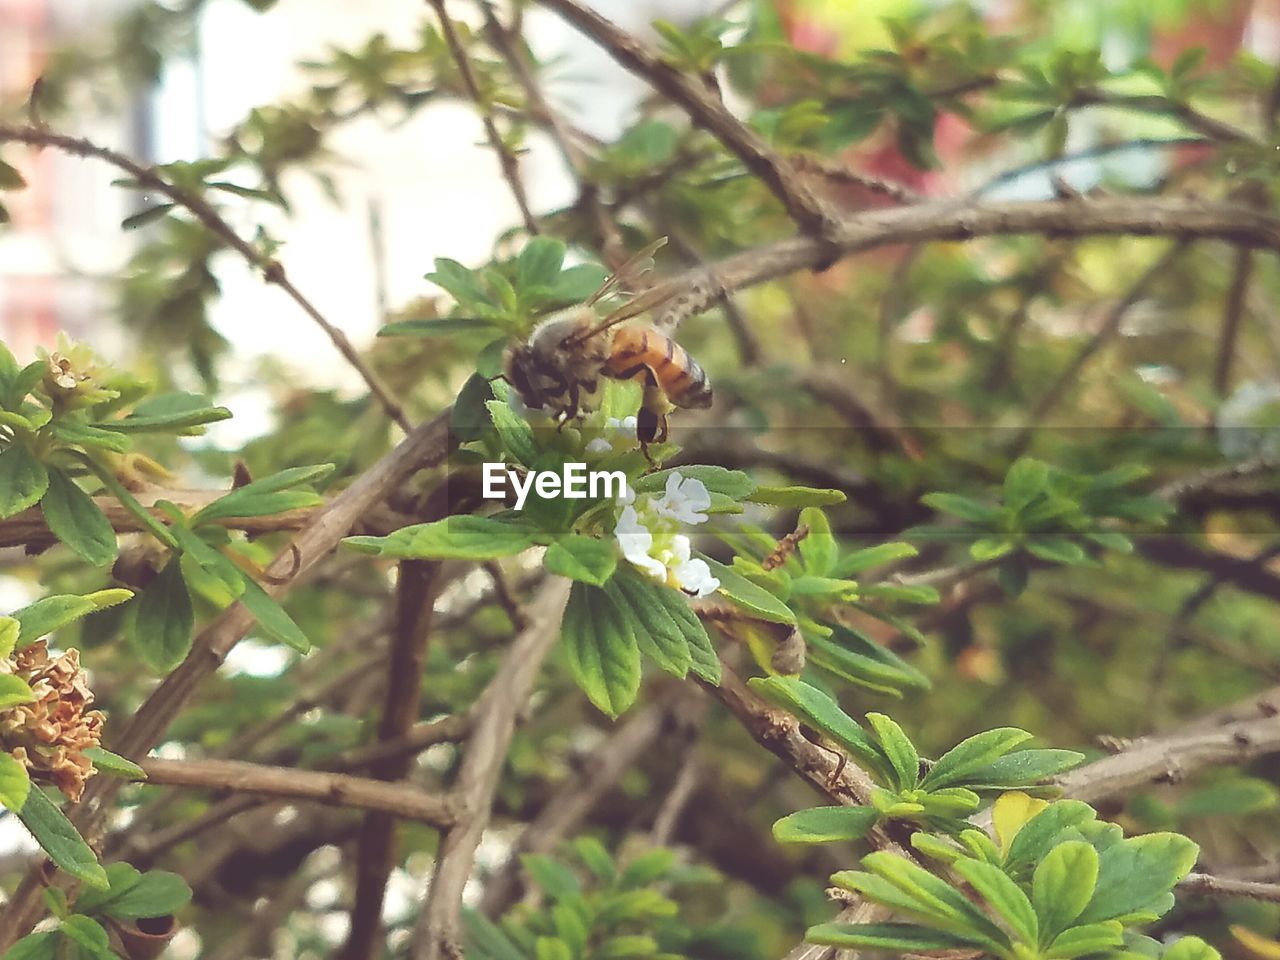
x=50, y=734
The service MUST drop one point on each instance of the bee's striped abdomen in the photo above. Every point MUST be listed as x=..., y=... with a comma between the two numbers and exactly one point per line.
x=640, y=350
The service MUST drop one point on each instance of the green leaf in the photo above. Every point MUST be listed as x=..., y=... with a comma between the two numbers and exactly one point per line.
x=514, y=432
x=87, y=435
x=555, y=879
x=89, y=935
x=1190, y=948
x=897, y=746
x=578, y=283
x=818, y=550
x=582, y=558
x=270, y=495
x=819, y=711
x=114, y=764
x=272, y=618
x=60, y=840
x=1055, y=549
x=539, y=263
x=1135, y=871
x=460, y=282
x=14, y=690
x=1086, y=940
x=48, y=614
x=9, y=629
x=181, y=413
x=146, y=216
x=851, y=564
x=488, y=938
x=754, y=599
x=1063, y=885
x=911, y=887
x=1232, y=796
x=664, y=626
x=1003, y=896
x=972, y=754
x=23, y=480
x=157, y=893
x=601, y=648
x=1034, y=840
x=1023, y=768
x=551, y=948
x=1025, y=481
x=454, y=538
x=469, y=416
x=859, y=660
x=35, y=946
x=77, y=521
x=892, y=937
x=825, y=824
x=15, y=782
x=963, y=507
x=163, y=620
x=732, y=483
x=793, y=497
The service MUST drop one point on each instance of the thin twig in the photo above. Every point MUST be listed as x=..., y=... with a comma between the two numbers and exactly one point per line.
x=1208, y=885
x=439, y=925
x=202, y=210
x=362, y=793
x=707, y=110
x=840, y=172
x=506, y=158
x=1232, y=314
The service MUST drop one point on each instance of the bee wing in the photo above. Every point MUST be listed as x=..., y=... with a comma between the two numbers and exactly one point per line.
x=632, y=308
x=636, y=265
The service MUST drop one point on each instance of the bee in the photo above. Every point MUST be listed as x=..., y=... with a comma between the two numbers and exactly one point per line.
x=560, y=366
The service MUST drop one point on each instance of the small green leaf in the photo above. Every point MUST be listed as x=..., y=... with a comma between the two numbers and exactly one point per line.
x=731, y=483
x=1022, y=769
x=60, y=840
x=1063, y=885
x=514, y=432
x=469, y=416
x=272, y=618
x=818, y=550
x=1055, y=550
x=819, y=711
x=142, y=218
x=1134, y=872
x=48, y=614
x=1003, y=896
x=114, y=764
x=539, y=262
x=1025, y=481
x=972, y=754
x=551, y=948
x=455, y=538
x=578, y=283
x=14, y=690
x=852, y=564
x=1092, y=938
x=753, y=598
x=9, y=629
x=587, y=559
x=254, y=499
x=897, y=746
x=891, y=937
x=158, y=893
x=89, y=935
x=1036, y=837
x=182, y=413
x=601, y=648
x=1190, y=948
x=88, y=436
x=35, y=946
x=664, y=627
x=163, y=620
x=793, y=497
x=15, y=782
x=825, y=824
x=963, y=507
x=77, y=521
x=23, y=480
x=554, y=879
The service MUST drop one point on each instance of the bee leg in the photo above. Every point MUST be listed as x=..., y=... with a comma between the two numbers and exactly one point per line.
x=572, y=412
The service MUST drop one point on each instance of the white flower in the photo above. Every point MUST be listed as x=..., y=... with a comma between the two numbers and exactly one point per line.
x=1247, y=421
x=684, y=500
x=664, y=556
x=624, y=436
x=694, y=577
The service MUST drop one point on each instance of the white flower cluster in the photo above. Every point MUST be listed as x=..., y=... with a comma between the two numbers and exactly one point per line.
x=648, y=535
x=623, y=436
